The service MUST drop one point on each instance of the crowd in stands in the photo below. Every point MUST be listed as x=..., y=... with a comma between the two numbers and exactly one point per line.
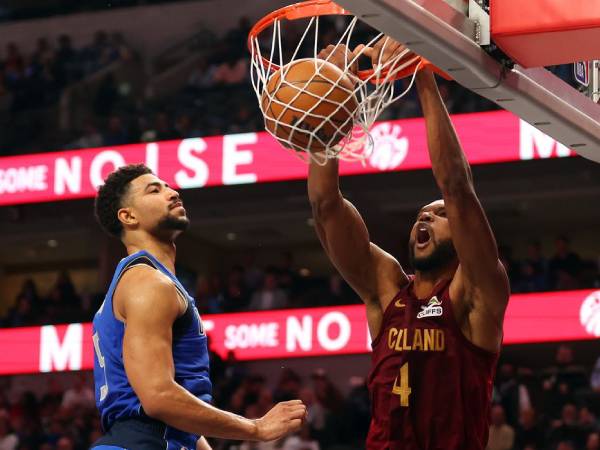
x=13, y=10
x=563, y=270
x=30, y=82
x=556, y=408
x=216, y=99
x=249, y=287
x=35, y=79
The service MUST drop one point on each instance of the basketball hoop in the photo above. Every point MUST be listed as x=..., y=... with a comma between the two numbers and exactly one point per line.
x=373, y=91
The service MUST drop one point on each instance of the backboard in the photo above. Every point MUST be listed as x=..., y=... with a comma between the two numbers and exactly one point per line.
x=448, y=38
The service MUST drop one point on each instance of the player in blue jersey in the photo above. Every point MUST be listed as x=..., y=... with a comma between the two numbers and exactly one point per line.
x=151, y=361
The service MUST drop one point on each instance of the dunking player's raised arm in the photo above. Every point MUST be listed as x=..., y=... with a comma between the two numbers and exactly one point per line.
x=149, y=304
x=481, y=279
x=374, y=274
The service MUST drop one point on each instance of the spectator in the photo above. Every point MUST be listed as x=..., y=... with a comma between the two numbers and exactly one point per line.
x=253, y=275
x=565, y=445
x=21, y=313
x=287, y=277
x=116, y=134
x=595, y=377
x=564, y=266
x=235, y=293
x=303, y=440
x=91, y=138
x=502, y=435
x=338, y=291
x=8, y=439
x=534, y=270
x=162, y=128
x=79, y=396
x=120, y=48
x=330, y=399
x=507, y=389
x=270, y=296
x=593, y=441
x=587, y=421
x=107, y=96
x=566, y=429
x=201, y=77
x=65, y=63
x=232, y=71
x=288, y=387
x=185, y=128
x=528, y=431
x=13, y=63
x=562, y=380
x=29, y=290
x=65, y=443
x=357, y=411
x=44, y=54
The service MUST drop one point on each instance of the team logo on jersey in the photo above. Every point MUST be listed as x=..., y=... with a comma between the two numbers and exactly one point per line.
x=432, y=309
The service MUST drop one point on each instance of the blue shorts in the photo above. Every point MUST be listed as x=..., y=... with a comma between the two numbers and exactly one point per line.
x=142, y=433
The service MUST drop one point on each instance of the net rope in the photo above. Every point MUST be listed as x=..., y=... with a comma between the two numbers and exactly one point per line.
x=371, y=95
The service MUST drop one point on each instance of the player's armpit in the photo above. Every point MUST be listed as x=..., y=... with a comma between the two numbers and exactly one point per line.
x=481, y=279
x=482, y=276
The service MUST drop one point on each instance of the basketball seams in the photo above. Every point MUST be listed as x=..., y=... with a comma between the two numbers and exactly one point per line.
x=315, y=129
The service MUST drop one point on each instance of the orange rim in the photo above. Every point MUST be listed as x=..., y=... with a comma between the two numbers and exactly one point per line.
x=314, y=8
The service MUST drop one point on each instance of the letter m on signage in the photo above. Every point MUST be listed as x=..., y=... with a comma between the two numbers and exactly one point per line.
x=535, y=144
x=58, y=354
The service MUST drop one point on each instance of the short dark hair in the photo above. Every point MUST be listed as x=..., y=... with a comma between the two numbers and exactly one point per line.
x=110, y=197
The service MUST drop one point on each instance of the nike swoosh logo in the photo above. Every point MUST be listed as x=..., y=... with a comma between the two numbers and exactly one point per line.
x=399, y=304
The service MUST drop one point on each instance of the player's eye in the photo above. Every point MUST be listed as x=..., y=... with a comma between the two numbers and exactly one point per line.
x=442, y=213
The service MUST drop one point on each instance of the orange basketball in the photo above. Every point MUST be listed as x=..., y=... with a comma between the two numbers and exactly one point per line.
x=312, y=92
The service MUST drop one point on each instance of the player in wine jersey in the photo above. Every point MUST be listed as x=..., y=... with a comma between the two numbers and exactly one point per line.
x=437, y=333
x=151, y=365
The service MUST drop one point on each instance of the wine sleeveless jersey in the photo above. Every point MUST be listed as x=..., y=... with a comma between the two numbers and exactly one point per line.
x=430, y=387
x=115, y=398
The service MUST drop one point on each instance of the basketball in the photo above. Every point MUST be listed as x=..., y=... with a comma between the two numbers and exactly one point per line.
x=309, y=97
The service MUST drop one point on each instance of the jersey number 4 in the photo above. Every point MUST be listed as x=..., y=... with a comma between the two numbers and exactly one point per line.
x=401, y=386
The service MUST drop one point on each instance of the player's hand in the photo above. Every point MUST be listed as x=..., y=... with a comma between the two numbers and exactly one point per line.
x=384, y=51
x=282, y=419
x=341, y=56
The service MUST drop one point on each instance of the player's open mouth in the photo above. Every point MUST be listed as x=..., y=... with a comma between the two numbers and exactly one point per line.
x=423, y=236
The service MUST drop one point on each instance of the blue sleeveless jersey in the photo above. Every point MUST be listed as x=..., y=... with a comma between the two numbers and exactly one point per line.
x=115, y=397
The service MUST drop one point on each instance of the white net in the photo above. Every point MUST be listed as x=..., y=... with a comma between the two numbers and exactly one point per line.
x=337, y=121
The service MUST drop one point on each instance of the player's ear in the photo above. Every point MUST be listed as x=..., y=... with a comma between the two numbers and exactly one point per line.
x=127, y=217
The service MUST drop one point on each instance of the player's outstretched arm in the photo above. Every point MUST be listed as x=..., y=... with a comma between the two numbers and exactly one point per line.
x=375, y=275
x=149, y=304
x=481, y=278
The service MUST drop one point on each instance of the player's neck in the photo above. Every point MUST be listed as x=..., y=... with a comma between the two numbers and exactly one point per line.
x=163, y=251
x=425, y=281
